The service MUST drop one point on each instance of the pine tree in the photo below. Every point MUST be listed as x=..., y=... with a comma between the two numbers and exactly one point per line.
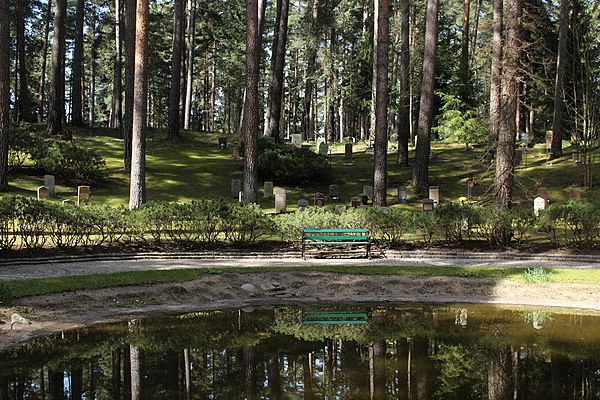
x=4, y=91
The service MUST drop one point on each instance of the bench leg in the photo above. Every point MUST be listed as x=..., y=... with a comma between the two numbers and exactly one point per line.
x=369, y=251
x=303, y=247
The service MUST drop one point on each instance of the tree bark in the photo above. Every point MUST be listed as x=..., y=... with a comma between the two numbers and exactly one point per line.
x=56, y=95
x=77, y=92
x=4, y=90
x=382, y=16
x=464, y=54
x=421, y=168
x=505, y=154
x=309, y=128
x=558, y=120
x=42, y=82
x=252, y=77
x=276, y=102
x=404, y=111
x=499, y=374
x=191, y=29
x=496, y=76
x=137, y=186
x=23, y=99
x=136, y=373
x=175, y=90
x=94, y=54
x=130, y=29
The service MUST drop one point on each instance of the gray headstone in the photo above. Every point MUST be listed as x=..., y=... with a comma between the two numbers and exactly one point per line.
x=319, y=142
x=236, y=154
x=518, y=157
x=356, y=201
x=222, y=143
x=236, y=186
x=268, y=189
x=83, y=195
x=539, y=204
x=402, y=194
x=575, y=194
x=348, y=152
x=434, y=194
x=280, y=201
x=302, y=204
x=334, y=192
x=43, y=193
x=323, y=149
x=49, y=183
x=549, y=137
x=368, y=191
x=319, y=199
x=428, y=205
x=297, y=139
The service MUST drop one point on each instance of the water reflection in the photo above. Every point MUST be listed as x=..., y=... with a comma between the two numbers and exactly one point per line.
x=400, y=352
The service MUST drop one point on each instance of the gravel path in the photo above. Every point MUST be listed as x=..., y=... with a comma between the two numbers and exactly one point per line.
x=111, y=263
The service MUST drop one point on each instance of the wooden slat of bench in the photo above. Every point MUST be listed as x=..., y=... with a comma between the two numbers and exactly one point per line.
x=335, y=230
x=333, y=243
x=335, y=322
x=340, y=237
x=325, y=314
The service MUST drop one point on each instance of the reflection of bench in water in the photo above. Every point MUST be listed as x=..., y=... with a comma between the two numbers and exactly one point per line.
x=335, y=318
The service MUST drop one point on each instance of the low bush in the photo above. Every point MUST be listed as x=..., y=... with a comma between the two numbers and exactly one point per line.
x=6, y=294
x=22, y=142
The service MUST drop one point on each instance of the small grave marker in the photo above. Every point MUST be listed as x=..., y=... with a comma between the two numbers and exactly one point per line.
x=577, y=159
x=427, y=205
x=434, y=194
x=402, y=194
x=543, y=193
x=43, y=193
x=356, y=201
x=348, y=160
x=297, y=139
x=518, y=157
x=49, y=183
x=575, y=194
x=268, y=189
x=83, y=195
x=319, y=142
x=368, y=191
x=280, y=201
x=302, y=204
x=323, y=149
x=236, y=186
x=334, y=193
x=539, y=205
x=319, y=199
x=236, y=154
x=223, y=143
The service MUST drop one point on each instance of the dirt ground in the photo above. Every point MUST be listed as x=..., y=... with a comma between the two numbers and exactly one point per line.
x=55, y=313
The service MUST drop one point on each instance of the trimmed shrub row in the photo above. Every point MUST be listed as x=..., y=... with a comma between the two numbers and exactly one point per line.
x=28, y=223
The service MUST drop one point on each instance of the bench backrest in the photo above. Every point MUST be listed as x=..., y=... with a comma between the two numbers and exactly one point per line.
x=336, y=230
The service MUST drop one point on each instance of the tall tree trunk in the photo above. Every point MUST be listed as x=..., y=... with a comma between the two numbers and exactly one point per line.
x=23, y=99
x=136, y=373
x=271, y=85
x=4, y=90
x=56, y=95
x=116, y=114
x=309, y=129
x=77, y=382
x=404, y=111
x=175, y=90
x=464, y=54
x=496, y=77
x=137, y=185
x=276, y=104
x=421, y=168
x=191, y=29
x=252, y=77
x=130, y=30
x=42, y=83
x=116, y=373
x=382, y=16
x=499, y=374
x=94, y=54
x=475, y=32
x=558, y=121
x=505, y=154
x=77, y=94
x=56, y=388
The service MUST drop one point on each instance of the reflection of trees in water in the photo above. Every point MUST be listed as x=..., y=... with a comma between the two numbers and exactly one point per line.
x=403, y=353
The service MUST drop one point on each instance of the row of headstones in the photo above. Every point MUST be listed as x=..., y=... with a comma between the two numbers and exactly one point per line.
x=48, y=190
x=541, y=201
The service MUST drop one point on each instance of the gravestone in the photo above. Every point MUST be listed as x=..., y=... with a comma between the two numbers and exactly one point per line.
x=268, y=189
x=43, y=193
x=518, y=157
x=576, y=159
x=319, y=141
x=302, y=204
x=83, y=195
x=68, y=201
x=348, y=154
x=49, y=183
x=356, y=201
x=334, y=193
x=236, y=186
x=575, y=194
x=549, y=137
x=280, y=201
x=241, y=196
x=434, y=194
x=543, y=193
x=222, y=143
x=402, y=194
x=368, y=191
x=539, y=204
x=428, y=205
x=297, y=139
x=323, y=149
x=319, y=199
x=236, y=154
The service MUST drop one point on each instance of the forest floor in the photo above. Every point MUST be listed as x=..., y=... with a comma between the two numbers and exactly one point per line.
x=65, y=311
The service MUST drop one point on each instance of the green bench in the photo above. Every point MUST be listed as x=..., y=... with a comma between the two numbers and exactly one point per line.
x=335, y=237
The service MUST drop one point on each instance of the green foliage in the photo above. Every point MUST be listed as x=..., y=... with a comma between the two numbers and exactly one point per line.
x=287, y=164
x=460, y=369
x=425, y=225
x=22, y=141
x=454, y=220
x=579, y=220
x=70, y=162
x=537, y=275
x=6, y=294
x=459, y=124
x=245, y=223
x=7, y=222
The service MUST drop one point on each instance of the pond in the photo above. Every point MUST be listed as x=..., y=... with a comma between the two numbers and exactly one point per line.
x=356, y=352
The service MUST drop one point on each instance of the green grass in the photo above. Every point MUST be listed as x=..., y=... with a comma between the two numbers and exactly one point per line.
x=195, y=168
x=40, y=286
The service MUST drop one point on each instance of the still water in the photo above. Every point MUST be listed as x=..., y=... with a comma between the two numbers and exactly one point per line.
x=400, y=352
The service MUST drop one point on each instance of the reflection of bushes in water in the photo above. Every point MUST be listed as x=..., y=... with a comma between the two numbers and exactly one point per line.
x=460, y=370
x=537, y=318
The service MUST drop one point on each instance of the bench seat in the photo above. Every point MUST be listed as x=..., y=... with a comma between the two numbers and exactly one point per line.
x=335, y=237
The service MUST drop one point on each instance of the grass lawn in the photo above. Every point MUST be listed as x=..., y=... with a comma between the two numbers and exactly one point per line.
x=195, y=168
